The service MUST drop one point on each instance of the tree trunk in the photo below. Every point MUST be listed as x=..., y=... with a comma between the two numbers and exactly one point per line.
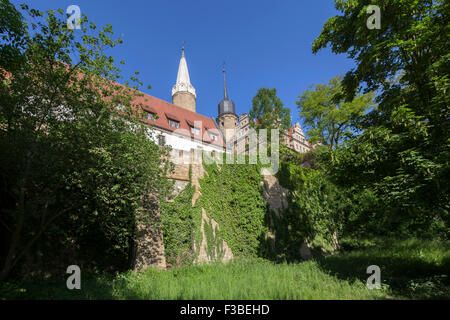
x=10, y=257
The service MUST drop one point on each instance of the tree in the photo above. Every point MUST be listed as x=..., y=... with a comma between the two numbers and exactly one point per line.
x=73, y=169
x=11, y=32
x=407, y=59
x=327, y=115
x=268, y=112
x=403, y=150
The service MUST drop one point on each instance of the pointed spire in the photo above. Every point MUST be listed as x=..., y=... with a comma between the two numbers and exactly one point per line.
x=226, y=105
x=225, y=94
x=183, y=72
x=183, y=81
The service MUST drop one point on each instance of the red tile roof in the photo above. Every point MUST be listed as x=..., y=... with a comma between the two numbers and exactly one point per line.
x=291, y=130
x=166, y=110
x=186, y=118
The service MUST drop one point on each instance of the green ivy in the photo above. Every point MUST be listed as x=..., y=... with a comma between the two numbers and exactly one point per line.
x=232, y=195
x=179, y=223
x=313, y=212
x=214, y=242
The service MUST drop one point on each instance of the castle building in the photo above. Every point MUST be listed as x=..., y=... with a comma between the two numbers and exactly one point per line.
x=187, y=132
x=178, y=125
x=295, y=139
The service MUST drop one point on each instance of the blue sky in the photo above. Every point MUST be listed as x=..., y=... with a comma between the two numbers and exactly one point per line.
x=264, y=44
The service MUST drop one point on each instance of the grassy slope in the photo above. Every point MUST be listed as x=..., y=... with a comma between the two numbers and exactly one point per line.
x=409, y=269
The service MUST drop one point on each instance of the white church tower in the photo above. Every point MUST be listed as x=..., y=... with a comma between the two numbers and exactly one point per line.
x=183, y=93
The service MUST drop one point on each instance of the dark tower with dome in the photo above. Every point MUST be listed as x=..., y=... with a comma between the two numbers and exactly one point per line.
x=227, y=118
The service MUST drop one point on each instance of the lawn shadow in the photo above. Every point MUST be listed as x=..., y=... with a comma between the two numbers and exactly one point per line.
x=410, y=278
x=92, y=288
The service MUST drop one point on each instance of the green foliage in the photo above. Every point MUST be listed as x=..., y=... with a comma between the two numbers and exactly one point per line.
x=327, y=115
x=268, y=112
x=246, y=280
x=410, y=199
x=288, y=155
x=402, y=153
x=12, y=42
x=410, y=269
x=410, y=51
x=232, y=195
x=239, y=280
x=74, y=172
x=313, y=212
x=214, y=242
x=179, y=222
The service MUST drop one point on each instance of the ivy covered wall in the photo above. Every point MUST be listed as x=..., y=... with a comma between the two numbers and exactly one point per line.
x=232, y=195
x=180, y=221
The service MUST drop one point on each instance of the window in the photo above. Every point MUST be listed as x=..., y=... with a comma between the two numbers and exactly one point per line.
x=195, y=130
x=151, y=116
x=161, y=140
x=120, y=107
x=174, y=123
x=213, y=137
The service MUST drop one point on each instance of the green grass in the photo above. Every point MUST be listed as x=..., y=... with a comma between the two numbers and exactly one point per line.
x=409, y=269
x=413, y=269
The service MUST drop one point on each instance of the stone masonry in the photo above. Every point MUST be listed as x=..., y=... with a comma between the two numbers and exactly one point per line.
x=148, y=251
x=185, y=100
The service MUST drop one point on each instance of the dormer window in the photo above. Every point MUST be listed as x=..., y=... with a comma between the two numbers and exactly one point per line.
x=213, y=136
x=151, y=116
x=173, y=120
x=195, y=130
x=174, y=124
x=195, y=126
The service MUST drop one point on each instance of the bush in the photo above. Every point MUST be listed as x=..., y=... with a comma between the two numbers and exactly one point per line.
x=312, y=214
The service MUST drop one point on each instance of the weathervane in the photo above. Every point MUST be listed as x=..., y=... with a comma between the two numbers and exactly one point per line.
x=182, y=47
x=225, y=95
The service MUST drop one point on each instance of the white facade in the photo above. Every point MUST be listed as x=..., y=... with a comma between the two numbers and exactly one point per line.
x=179, y=141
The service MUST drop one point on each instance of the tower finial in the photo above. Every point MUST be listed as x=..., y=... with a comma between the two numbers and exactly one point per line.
x=182, y=48
x=225, y=95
